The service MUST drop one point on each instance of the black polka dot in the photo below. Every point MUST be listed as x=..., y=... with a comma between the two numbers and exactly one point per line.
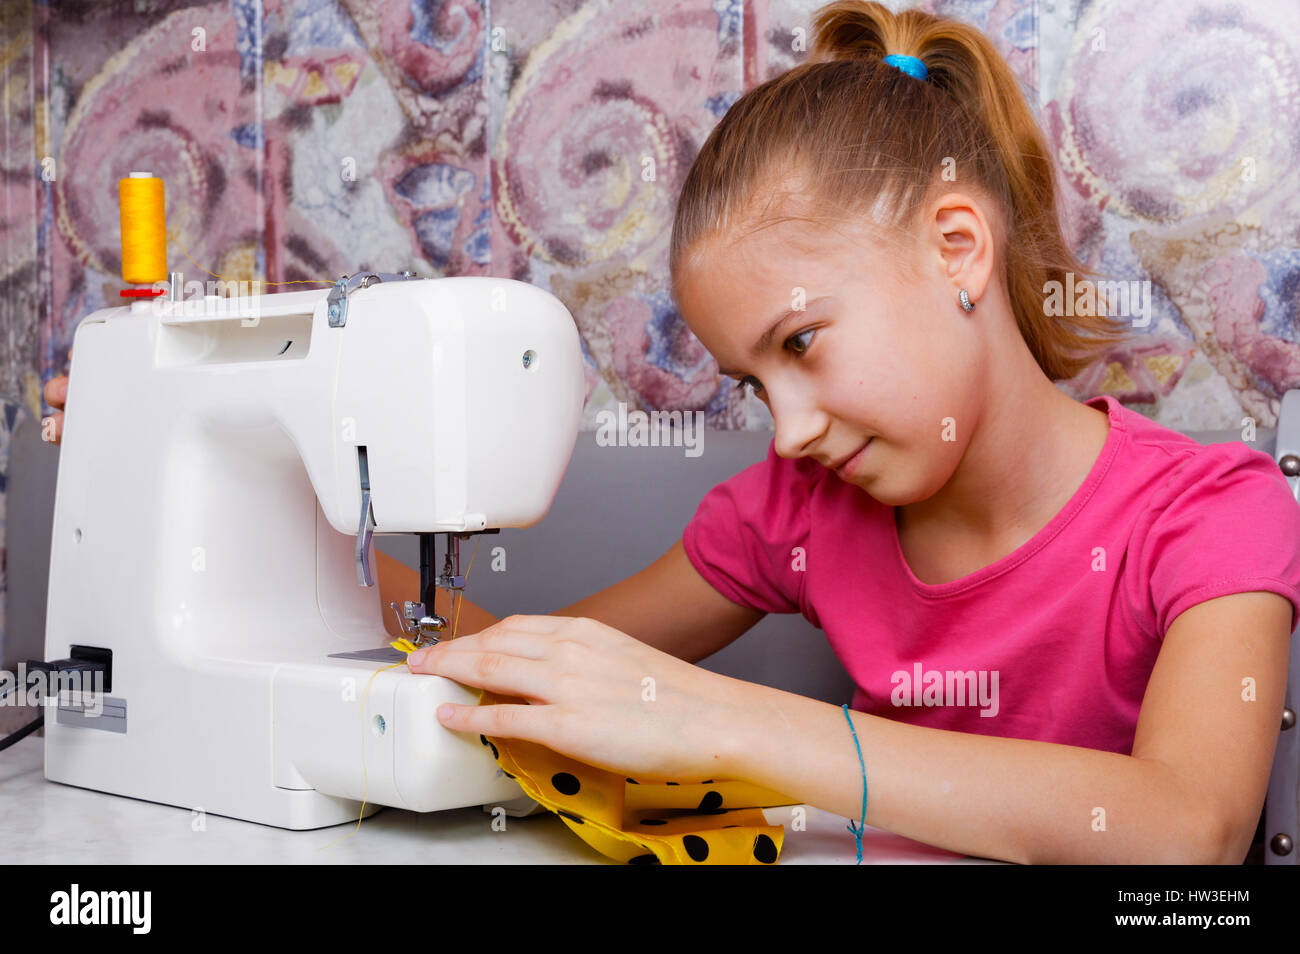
x=670, y=783
x=506, y=774
x=650, y=859
x=730, y=826
x=483, y=739
x=633, y=781
x=495, y=753
x=711, y=804
x=765, y=849
x=696, y=847
x=565, y=784
x=570, y=816
x=707, y=781
x=652, y=821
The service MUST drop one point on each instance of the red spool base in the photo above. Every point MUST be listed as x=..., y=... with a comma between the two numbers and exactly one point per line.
x=142, y=292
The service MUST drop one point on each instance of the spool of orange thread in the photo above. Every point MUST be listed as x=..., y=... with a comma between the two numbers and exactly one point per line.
x=144, y=233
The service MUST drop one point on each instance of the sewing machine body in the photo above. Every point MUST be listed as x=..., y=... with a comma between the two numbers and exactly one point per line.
x=206, y=525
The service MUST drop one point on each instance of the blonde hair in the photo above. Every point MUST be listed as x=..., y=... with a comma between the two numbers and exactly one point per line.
x=862, y=136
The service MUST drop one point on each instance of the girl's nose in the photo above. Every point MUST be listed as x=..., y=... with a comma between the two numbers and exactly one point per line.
x=796, y=430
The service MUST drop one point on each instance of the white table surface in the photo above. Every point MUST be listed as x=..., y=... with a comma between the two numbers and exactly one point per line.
x=45, y=822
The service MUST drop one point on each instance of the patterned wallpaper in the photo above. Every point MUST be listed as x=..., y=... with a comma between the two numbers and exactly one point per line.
x=300, y=139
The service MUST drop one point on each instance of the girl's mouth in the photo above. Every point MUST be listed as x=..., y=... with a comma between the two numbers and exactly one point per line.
x=846, y=469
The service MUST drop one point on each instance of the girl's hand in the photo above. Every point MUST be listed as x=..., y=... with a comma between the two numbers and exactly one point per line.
x=595, y=694
x=55, y=394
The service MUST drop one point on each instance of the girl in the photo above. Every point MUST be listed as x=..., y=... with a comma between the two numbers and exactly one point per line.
x=1068, y=625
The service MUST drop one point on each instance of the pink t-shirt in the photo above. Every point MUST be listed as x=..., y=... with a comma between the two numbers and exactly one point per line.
x=1056, y=641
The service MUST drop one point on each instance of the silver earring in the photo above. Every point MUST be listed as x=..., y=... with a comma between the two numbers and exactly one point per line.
x=966, y=303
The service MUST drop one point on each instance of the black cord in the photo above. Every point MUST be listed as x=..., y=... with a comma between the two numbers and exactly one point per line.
x=72, y=664
x=22, y=733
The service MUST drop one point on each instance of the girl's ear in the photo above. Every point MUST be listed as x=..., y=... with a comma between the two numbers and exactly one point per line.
x=963, y=241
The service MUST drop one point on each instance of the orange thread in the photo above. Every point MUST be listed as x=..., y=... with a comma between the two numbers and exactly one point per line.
x=144, y=251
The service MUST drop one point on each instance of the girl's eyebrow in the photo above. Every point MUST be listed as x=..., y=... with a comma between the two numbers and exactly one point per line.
x=781, y=319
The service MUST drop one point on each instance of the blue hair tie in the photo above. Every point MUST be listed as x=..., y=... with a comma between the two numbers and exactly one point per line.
x=910, y=65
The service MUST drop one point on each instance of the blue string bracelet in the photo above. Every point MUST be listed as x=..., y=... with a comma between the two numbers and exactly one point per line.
x=858, y=831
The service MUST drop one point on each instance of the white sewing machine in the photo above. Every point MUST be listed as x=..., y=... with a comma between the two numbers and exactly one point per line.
x=223, y=467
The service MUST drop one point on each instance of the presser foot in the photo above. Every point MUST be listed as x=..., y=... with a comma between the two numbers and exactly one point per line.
x=420, y=627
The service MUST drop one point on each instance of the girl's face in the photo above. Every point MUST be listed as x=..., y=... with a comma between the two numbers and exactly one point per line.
x=876, y=347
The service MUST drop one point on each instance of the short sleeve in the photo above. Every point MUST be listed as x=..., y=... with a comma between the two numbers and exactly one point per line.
x=743, y=536
x=1226, y=522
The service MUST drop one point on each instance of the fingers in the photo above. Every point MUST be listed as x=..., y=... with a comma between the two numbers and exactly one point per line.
x=529, y=637
x=523, y=645
x=56, y=395
x=52, y=428
x=499, y=672
x=502, y=721
x=56, y=391
x=528, y=624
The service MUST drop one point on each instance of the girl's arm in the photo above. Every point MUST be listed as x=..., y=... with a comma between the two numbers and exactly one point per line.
x=667, y=605
x=1191, y=792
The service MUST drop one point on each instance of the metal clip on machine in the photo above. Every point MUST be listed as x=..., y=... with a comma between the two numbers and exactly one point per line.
x=219, y=485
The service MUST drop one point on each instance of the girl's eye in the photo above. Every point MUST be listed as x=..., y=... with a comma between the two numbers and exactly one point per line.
x=758, y=388
x=810, y=331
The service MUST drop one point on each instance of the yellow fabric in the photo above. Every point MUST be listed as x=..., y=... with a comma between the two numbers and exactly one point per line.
x=714, y=822
x=711, y=822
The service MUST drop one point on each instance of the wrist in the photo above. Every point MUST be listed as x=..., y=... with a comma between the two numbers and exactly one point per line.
x=749, y=730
